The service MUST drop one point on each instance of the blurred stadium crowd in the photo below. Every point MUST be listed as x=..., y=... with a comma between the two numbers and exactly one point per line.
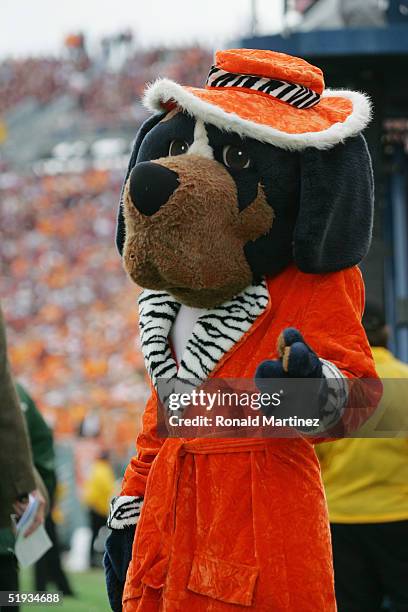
x=108, y=86
x=71, y=312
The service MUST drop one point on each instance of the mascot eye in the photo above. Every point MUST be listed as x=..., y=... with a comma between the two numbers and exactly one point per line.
x=235, y=158
x=178, y=147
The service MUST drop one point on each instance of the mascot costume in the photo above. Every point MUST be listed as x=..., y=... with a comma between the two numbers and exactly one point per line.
x=246, y=208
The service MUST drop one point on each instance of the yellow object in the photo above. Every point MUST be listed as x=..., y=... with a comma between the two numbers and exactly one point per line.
x=366, y=478
x=99, y=487
x=3, y=131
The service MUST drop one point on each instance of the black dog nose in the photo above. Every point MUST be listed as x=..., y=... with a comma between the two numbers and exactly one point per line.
x=150, y=186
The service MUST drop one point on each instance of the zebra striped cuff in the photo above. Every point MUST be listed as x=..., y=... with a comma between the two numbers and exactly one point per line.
x=337, y=395
x=124, y=511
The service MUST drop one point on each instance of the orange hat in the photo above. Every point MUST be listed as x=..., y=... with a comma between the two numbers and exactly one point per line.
x=272, y=97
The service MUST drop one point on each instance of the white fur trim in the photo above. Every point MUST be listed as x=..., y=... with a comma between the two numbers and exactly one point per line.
x=164, y=90
x=201, y=145
x=124, y=511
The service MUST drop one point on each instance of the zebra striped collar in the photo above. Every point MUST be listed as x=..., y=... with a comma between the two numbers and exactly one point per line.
x=214, y=334
x=292, y=93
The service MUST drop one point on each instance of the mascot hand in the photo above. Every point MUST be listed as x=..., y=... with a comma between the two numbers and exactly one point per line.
x=118, y=553
x=296, y=360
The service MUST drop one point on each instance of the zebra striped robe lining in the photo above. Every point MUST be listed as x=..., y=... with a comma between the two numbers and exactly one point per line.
x=214, y=334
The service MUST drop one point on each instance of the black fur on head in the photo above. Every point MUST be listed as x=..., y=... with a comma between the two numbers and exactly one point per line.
x=322, y=199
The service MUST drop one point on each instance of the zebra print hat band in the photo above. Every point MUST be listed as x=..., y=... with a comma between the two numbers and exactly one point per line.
x=292, y=93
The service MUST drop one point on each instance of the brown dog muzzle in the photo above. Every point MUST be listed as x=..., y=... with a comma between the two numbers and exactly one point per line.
x=192, y=243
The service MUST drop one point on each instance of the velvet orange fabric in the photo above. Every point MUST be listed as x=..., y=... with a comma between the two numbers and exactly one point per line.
x=271, y=64
x=242, y=524
x=260, y=108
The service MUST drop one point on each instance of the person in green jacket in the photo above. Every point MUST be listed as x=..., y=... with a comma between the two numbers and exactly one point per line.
x=41, y=440
x=48, y=568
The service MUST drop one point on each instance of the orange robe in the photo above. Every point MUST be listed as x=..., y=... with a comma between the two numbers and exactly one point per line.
x=241, y=524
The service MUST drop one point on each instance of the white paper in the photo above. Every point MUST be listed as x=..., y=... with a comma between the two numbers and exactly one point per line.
x=29, y=550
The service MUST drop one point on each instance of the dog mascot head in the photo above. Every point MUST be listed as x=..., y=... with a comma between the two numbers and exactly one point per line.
x=262, y=168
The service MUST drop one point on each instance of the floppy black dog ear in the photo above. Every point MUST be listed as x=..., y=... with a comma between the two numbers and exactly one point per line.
x=334, y=224
x=144, y=129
